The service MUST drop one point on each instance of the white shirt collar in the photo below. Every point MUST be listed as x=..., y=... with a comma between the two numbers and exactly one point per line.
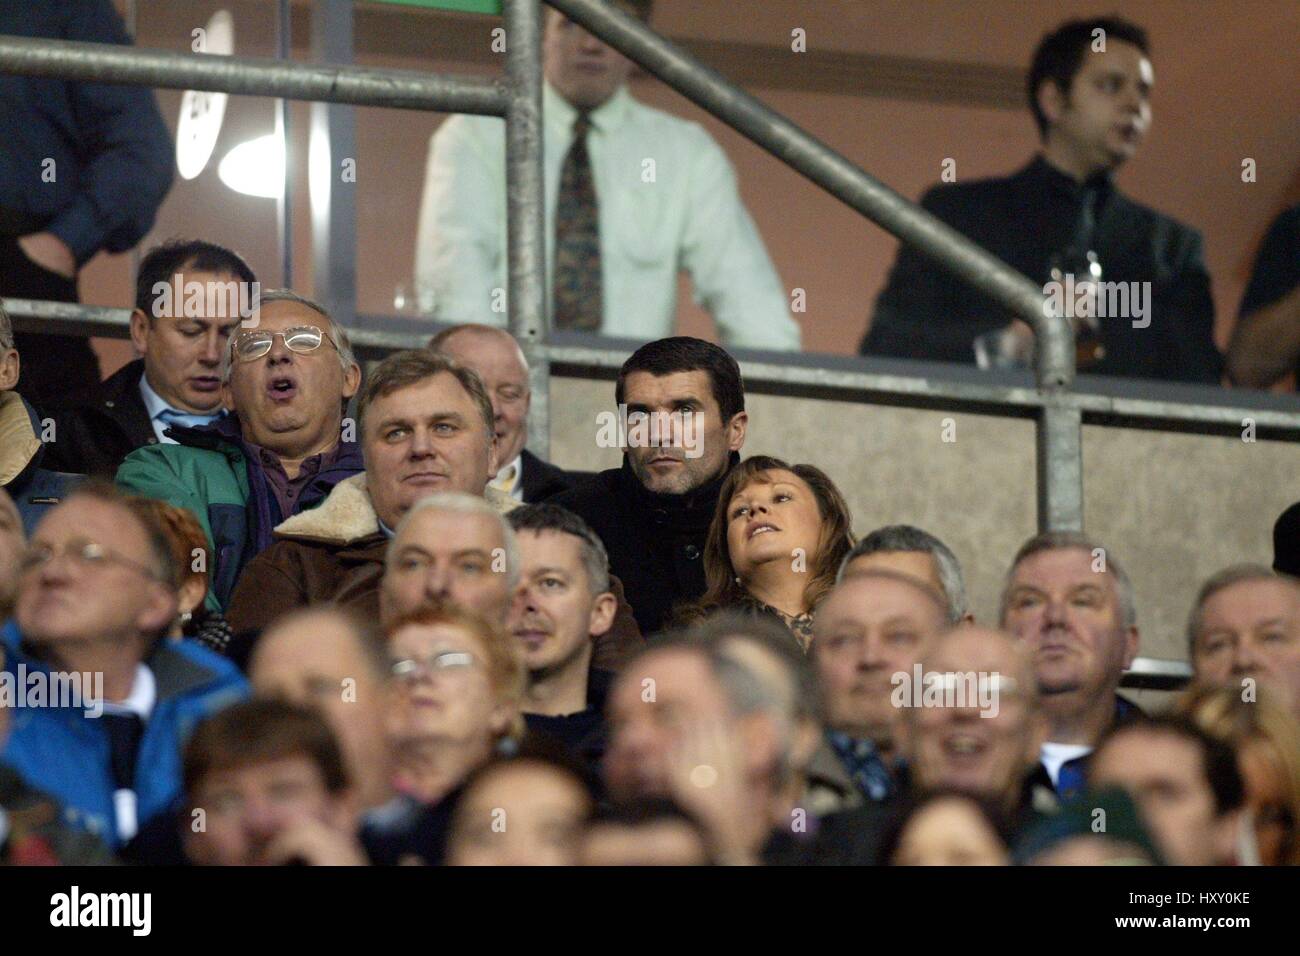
x=517, y=492
x=141, y=700
x=153, y=402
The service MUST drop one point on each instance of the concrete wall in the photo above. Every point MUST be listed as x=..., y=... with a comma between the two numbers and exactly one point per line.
x=1172, y=508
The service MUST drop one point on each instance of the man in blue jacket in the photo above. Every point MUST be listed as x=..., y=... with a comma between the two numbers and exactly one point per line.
x=103, y=703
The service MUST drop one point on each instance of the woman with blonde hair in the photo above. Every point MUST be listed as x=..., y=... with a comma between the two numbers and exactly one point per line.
x=1266, y=738
x=775, y=544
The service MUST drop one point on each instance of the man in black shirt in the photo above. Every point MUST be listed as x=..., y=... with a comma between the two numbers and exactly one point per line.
x=1266, y=342
x=1060, y=217
x=563, y=604
x=683, y=404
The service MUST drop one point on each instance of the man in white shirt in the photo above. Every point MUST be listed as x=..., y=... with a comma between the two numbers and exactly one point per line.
x=495, y=356
x=1071, y=604
x=632, y=195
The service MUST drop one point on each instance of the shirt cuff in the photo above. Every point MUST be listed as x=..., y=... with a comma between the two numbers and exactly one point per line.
x=79, y=229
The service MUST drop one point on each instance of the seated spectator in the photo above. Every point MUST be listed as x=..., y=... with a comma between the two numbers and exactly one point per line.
x=947, y=829
x=32, y=831
x=496, y=358
x=180, y=339
x=281, y=451
x=426, y=427
x=562, y=607
x=1071, y=836
x=645, y=832
x=912, y=551
x=873, y=625
x=458, y=680
x=1068, y=599
x=190, y=560
x=12, y=544
x=329, y=659
x=1266, y=739
x=267, y=782
x=1184, y=781
x=777, y=540
x=987, y=753
x=692, y=721
x=1244, y=631
x=1059, y=218
x=23, y=450
x=451, y=548
x=86, y=607
x=520, y=811
x=1265, y=343
x=684, y=404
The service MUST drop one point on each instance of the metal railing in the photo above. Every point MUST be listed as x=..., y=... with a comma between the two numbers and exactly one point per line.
x=1057, y=409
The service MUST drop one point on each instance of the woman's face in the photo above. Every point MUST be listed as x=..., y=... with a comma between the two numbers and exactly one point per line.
x=444, y=691
x=773, y=518
x=1275, y=832
x=949, y=832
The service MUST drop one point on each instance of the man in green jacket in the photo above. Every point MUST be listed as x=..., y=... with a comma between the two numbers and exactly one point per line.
x=286, y=378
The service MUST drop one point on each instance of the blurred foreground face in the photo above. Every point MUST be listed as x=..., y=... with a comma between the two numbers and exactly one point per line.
x=651, y=705
x=443, y=555
x=69, y=598
x=524, y=814
x=1069, y=617
x=867, y=630
x=314, y=660
x=665, y=842
x=1093, y=850
x=247, y=808
x=446, y=693
x=1264, y=774
x=955, y=747
x=1251, y=630
x=1165, y=775
x=950, y=832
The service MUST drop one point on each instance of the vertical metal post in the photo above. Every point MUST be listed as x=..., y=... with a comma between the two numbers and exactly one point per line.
x=331, y=185
x=526, y=208
x=1060, y=467
x=284, y=204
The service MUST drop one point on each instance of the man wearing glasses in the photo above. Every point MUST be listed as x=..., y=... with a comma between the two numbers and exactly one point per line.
x=94, y=599
x=286, y=380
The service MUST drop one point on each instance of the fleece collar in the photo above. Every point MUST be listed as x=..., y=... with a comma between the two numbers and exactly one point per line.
x=348, y=514
x=20, y=439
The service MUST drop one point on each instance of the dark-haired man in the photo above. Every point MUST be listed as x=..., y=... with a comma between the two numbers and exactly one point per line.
x=683, y=402
x=1186, y=784
x=1060, y=220
x=184, y=314
x=562, y=606
x=94, y=600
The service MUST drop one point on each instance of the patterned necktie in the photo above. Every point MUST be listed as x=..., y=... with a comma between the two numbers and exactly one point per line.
x=505, y=482
x=865, y=766
x=577, y=239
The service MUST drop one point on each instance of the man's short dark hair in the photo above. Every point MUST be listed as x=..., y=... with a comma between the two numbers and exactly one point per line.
x=1060, y=55
x=258, y=731
x=1219, y=760
x=548, y=517
x=164, y=261
x=682, y=353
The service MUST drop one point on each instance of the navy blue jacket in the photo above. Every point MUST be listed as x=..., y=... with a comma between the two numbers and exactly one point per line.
x=111, y=152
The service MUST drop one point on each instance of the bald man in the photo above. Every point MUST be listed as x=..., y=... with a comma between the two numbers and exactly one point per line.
x=495, y=355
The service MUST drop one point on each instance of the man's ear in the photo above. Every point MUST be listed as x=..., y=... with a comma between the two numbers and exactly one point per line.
x=10, y=368
x=140, y=329
x=602, y=614
x=159, y=612
x=736, y=431
x=1052, y=101
x=1131, y=641
x=227, y=396
x=493, y=466
x=351, y=380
